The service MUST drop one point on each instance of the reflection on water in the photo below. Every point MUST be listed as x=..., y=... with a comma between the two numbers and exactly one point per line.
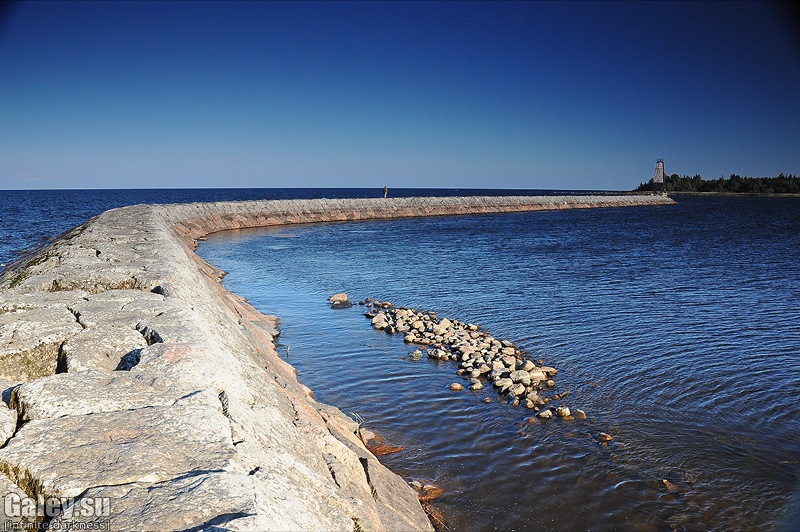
x=675, y=328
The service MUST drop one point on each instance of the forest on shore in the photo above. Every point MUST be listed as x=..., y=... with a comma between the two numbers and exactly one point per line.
x=735, y=184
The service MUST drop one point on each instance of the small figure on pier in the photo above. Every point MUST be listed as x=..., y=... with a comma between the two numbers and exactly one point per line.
x=385, y=192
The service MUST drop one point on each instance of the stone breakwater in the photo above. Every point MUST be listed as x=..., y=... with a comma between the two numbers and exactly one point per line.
x=133, y=377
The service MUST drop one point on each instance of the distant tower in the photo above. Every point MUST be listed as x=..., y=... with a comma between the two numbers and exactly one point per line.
x=658, y=177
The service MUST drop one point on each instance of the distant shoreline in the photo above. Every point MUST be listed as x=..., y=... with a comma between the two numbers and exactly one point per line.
x=749, y=194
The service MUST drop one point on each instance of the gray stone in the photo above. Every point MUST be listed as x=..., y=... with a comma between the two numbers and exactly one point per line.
x=341, y=297
x=30, y=341
x=192, y=502
x=116, y=448
x=517, y=389
x=100, y=348
x=177, y=323
x=563, y=411
x=20, y=300
x=521, y=376
x=497, y=373
x=94, y=391
x=509, y=362
x=9, y=521
x=536, y=376
x=118, y=308
x=504, y=384
x=8, y=425
x=535, y=400
x=549, y=371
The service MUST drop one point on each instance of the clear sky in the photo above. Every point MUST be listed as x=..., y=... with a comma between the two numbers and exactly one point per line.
x=564, y=95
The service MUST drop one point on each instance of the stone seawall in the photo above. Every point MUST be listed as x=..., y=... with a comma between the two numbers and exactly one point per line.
x=135, y=378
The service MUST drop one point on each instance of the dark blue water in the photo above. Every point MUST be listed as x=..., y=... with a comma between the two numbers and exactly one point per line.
x=677, y=329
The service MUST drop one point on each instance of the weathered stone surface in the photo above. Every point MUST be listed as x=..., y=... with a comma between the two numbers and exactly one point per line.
x=504, y=384
x=9, y=521
x=100, y=347
x=114, y=448
x=341, y=297
x=30, y=341
x=184, y=367
x=19, y=300
x=176, y=323
x=202, y=501
x=93, y=391
x=8, y=424
x=521, y=376
x=517, y=389
x=563, y=411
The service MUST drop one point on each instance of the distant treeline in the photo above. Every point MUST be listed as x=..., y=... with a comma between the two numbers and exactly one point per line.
x=783, y=184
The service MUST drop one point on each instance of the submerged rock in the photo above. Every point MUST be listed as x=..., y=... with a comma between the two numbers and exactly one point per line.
x=603, y=437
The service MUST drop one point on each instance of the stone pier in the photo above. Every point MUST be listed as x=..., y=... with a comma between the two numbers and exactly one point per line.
x=142, y=393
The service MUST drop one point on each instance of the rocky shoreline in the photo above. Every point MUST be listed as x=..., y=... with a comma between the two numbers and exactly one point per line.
x=143, y=392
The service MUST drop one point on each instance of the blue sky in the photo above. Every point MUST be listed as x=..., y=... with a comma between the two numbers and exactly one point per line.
x=564, y=95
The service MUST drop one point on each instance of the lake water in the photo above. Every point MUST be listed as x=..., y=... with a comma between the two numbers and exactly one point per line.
x=677, y=330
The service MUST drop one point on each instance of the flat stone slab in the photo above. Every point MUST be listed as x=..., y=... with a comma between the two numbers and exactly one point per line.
x=30, y=341
x=93, y=392
x=66, y=456
x=118, y=308
x=100, y=347
x=18, y=300
x=194, y=502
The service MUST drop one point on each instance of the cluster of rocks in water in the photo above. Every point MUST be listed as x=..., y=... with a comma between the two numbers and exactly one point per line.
x=480, y=357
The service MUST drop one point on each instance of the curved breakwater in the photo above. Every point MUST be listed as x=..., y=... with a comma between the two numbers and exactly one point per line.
x=120, y=351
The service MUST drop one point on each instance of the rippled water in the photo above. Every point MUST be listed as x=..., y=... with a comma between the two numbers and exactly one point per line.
x=676, y=328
